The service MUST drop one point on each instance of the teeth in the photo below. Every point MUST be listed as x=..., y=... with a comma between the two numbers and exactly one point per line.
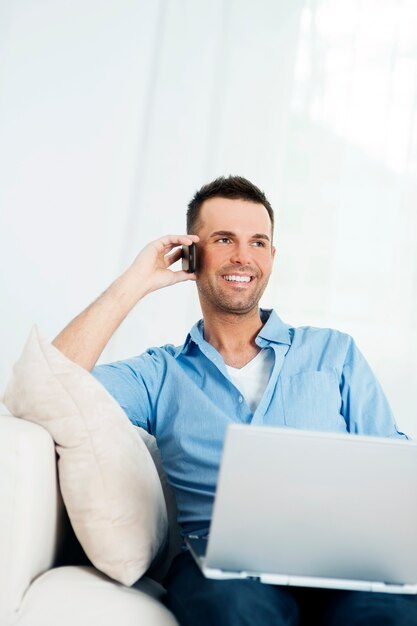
x=238, y=279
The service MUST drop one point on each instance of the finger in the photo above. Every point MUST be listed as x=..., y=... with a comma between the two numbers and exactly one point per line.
x=173, y=257
x=170, y=241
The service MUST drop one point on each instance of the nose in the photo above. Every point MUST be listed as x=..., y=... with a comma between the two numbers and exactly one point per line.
x=240, y=254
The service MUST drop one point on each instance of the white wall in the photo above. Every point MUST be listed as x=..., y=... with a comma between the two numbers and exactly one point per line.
x=113, y=113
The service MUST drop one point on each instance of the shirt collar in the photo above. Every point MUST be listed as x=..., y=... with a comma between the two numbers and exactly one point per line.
x=273, y=331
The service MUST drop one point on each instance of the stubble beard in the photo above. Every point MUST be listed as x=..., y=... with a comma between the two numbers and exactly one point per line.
x=237, y=304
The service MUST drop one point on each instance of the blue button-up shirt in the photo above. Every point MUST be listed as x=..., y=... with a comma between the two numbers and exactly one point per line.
x=184, y=396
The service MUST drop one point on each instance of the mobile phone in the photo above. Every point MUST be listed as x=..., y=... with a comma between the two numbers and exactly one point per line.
x=189, y=260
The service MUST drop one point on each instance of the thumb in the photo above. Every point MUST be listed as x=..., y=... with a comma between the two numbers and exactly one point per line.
x=182, y=276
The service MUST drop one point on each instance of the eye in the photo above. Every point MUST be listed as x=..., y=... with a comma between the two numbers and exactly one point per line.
x=223, y=240
x=259, y=244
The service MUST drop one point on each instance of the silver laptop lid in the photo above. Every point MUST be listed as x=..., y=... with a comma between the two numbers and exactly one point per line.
x=307, y=504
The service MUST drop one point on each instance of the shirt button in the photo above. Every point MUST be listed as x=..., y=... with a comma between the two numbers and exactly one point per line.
x=240, y=399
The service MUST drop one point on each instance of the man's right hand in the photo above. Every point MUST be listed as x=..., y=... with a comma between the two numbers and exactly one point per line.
x=152, y=265
x=85, y=338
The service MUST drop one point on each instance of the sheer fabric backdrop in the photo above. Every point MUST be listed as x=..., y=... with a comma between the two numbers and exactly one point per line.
x=113, y=114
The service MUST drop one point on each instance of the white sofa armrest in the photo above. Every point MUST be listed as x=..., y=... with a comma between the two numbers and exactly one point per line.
x=30, y=509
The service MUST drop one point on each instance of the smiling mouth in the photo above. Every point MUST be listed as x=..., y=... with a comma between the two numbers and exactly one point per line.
x=237, y=279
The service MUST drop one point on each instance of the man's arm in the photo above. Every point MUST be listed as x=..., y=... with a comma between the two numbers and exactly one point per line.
x=364, y=405
x=85, y=338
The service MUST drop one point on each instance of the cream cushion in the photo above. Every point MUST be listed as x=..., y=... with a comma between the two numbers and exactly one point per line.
x=108, y=480
x=66, y=596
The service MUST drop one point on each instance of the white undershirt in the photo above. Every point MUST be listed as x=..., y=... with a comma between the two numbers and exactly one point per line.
x=252, y=379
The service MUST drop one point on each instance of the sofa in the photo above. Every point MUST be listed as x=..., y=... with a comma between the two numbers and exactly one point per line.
x=45, y=577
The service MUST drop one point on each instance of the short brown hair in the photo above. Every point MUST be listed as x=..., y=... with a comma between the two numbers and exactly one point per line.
x=234, y=187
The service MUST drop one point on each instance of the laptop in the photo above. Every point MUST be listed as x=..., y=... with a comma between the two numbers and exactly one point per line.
x=312, y=509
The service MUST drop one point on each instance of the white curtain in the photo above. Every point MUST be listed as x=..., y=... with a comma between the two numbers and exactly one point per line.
x=113, y=113
x=349, y=194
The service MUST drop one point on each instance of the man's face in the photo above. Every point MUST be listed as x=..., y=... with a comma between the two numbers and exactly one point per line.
x=235, y=254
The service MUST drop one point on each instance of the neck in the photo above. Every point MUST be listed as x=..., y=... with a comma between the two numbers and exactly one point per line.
x=233, y=335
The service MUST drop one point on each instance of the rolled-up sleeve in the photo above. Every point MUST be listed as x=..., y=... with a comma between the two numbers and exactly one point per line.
x=364, y=405
x=133, y=383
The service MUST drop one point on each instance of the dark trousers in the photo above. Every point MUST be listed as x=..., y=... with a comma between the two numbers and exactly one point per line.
x=199, y=601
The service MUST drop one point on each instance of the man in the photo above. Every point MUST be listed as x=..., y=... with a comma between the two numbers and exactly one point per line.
x=238, y=364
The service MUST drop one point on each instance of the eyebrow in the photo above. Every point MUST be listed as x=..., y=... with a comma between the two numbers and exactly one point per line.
x=229, y=233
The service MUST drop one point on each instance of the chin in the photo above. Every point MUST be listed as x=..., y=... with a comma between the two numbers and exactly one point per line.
x=238, y=308
x=221, y=301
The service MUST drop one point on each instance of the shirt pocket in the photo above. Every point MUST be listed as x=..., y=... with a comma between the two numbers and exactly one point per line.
x=312, y=401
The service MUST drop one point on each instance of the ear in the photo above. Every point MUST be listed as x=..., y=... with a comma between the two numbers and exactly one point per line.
x=273, y=251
